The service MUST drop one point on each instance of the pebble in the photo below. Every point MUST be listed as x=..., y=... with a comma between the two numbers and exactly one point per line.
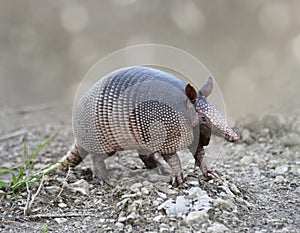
x=281, y=170
x=217, y=228
x=158, y=218
x=62, y=205
x=223, y=204
x=53, y=189
x=81, y=186
x=135, y=186
x=246, y=136
x=279, y=179
x=145, y=191
x=196, y=217
x=61, y=220
x=119, y=225
x=246, y=160
x=163, y=228
x=181, y=204
x=291, y=139
x=234, y=189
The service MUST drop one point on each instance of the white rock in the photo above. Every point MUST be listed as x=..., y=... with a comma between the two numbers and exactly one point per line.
x=133, y=215
x=196, y=217
x=81, y=186
x=246, y=160
x=119, y=225
x=246, y=136
x=144, y=191
x=162, y=195
x=217, y=228
x=158, y=218
x=291, y=139
x=181, y=204
x=256, y=170
x=135, y=186
x=223, y=204
x=234, y=189
x=279, y=179
x=281, y=170
x=61, y=220
x=62, y=205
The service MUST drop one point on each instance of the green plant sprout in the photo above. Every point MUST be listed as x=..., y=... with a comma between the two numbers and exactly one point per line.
x=25, y=177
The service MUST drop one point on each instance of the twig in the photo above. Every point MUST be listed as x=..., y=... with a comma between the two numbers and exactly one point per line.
x=65, y=183
x=66, y=215
x=12, y=135
x=30, y=199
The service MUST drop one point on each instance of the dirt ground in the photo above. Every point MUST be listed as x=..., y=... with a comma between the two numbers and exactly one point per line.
x=258, y=190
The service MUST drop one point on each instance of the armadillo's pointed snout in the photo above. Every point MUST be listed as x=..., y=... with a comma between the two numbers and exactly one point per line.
x=232, y=137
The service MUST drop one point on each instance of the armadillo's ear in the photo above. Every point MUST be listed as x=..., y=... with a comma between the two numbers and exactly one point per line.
x=206, y=89
x=191, y=93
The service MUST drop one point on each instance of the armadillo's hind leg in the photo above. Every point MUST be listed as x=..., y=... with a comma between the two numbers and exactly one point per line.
x=72, y=158
x=100, y=170
x=151, y=161
x=176, y=175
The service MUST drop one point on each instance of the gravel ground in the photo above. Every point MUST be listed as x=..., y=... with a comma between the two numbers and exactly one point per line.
x=258, y=189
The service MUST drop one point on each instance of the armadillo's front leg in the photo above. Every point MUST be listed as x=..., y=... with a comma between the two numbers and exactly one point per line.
x=176, y=175
x=100, y=171
x=201, y=163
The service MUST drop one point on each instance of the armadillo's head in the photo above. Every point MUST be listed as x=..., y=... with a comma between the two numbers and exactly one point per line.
x=219, y=124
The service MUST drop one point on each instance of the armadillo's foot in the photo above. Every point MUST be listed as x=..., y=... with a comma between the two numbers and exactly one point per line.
x=100, y=171
x=73, y=158
x=201, y=163
x=151, y=162
x=176, y=175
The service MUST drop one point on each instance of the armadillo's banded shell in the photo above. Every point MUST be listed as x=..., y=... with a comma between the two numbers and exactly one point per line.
x=135, y=108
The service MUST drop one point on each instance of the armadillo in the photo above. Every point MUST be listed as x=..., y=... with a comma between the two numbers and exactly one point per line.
x=148, y=110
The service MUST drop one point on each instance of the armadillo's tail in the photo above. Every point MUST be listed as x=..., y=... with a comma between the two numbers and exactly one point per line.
x=71, y=159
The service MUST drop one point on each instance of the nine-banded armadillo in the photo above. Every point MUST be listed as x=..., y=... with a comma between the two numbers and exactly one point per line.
x=148, y=110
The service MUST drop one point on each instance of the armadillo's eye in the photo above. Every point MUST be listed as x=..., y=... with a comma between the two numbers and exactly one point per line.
x=203, y=118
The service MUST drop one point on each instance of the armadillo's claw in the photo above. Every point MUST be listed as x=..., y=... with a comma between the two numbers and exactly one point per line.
x=211, y=175
x=105, y=180
x=178, y=181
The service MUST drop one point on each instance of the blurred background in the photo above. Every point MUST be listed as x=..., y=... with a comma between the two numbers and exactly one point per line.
x=252, y=47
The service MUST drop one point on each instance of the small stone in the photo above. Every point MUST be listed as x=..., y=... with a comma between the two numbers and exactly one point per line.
x=246, y=160
x=291, y=139
x=234, y=189
x=223, y=204
x=81, y=186
x=246, y=136
x=281, y=170
x=53, y=189
x=228, y=192
x=217, y=228
x=62, y=205
x=279, y=179
x=163, y=228
x=158, y=218
x=131, y=216
x=128, y=228
x=196, y=217
x=144, y=191
x=61, y=220
x=135, y=186
x=256, y=170
x=181, y=204
x=122, y=219
x=162, y=195
x=119, y=225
